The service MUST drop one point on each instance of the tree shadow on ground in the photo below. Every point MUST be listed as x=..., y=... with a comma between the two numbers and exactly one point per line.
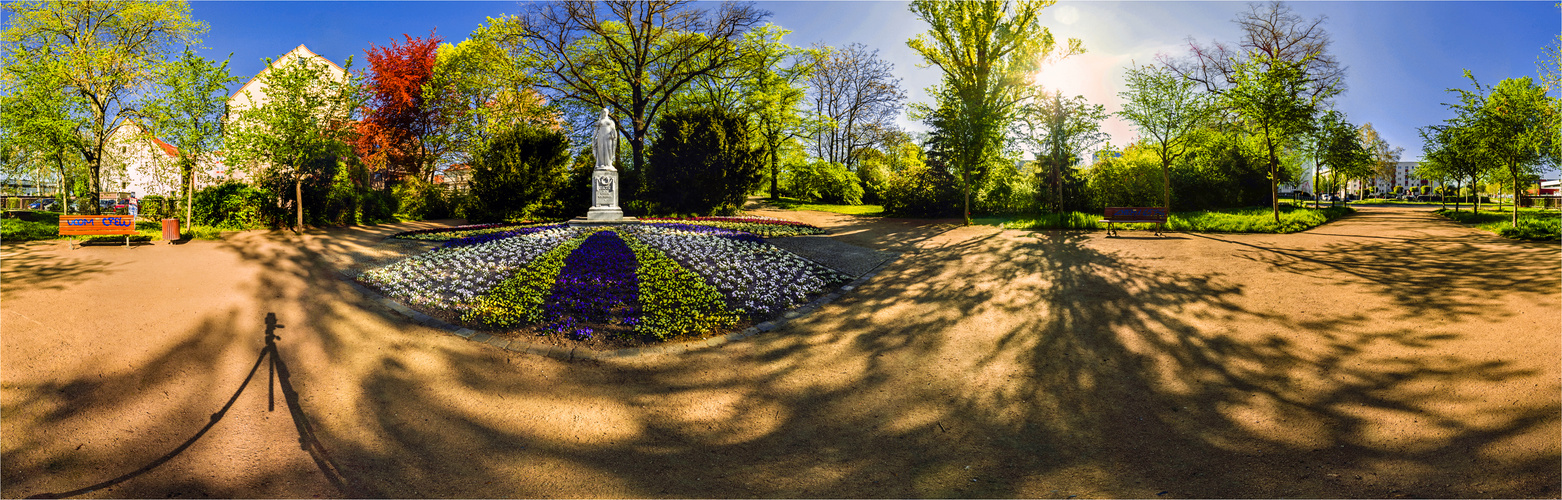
x=35, y=266
x=985, y=364
x=996, y=366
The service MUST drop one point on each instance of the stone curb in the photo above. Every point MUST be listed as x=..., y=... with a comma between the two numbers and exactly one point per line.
x=620, y=355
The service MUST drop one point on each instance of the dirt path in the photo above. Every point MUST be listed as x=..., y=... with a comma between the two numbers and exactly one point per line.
x=1389, y=354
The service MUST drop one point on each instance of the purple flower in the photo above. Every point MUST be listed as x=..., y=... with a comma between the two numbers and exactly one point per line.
x=484, y=238
x=597, y=278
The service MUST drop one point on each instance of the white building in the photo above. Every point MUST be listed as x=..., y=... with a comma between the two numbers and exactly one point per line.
x=254, y=93
x=1404, y=175
x=136, y=162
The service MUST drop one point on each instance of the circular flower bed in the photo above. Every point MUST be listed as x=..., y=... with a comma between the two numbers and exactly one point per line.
x=660, y=280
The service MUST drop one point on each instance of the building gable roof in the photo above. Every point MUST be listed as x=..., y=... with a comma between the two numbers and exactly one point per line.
x=300, y=51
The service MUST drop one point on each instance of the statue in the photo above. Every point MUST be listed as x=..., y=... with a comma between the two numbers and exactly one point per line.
x=604, y=181
x=604, y=145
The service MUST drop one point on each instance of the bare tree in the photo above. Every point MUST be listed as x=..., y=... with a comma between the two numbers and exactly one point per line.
x=861, y=97
x=1275, y=32
x=631, y=56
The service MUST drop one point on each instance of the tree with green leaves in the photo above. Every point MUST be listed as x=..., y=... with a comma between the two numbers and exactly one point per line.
x=1334, y=145
x=1166, y=109
x=1516, y=123
x=1273, y=103
x=520, y=173
x=1061, y=131
x=188, y=111
x=1385, y=158
x=112, y=52
x=767, y=85
x=38, y=124
x=630, y=56
x=987, y=51
x=702, y=162
x=300, y=128
x=1454, y=150
x=475, y=85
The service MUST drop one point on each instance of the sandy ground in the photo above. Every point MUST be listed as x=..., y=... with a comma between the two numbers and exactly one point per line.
x=1389, y=354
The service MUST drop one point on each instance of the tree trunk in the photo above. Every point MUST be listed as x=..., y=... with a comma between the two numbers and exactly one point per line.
x=965, y=177
x=189, y=204
x=775, y=173
x=1166, y=184
x=1515, y=173
x=298, y=193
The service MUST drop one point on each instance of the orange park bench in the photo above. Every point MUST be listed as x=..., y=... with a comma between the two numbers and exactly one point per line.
x=1134, y=215
x=92, y=225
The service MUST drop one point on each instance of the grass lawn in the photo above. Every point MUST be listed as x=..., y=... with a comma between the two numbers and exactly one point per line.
x=1238, y=220
x=794, y=204
x=1534, y=224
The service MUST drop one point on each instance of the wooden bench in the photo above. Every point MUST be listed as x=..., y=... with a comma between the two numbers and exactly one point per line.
x=1134, y=215
x=92, y=225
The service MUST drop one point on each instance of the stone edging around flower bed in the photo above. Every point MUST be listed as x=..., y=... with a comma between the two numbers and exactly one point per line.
x=574, y=353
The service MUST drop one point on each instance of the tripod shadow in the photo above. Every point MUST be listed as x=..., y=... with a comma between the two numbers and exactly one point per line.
x=277, y=376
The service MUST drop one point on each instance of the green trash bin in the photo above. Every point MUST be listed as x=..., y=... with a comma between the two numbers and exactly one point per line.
x=170, y=230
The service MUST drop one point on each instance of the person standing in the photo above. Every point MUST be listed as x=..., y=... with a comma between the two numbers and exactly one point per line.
x=134, y=205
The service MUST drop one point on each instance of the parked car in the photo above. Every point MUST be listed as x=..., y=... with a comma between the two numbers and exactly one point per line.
x=45, y=204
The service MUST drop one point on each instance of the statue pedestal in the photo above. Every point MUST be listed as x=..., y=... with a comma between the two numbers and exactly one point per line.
x=604, y=201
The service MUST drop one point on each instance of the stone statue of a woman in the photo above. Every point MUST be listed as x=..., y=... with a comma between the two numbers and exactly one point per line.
x=604, y=144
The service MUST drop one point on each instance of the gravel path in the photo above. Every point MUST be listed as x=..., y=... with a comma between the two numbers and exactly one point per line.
x=1389, y=354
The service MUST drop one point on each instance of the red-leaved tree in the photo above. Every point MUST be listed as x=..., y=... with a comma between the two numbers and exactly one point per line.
x=397, y=137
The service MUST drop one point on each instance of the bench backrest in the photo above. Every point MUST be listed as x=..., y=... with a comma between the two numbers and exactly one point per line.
x=1148, y=214
x=78, y=225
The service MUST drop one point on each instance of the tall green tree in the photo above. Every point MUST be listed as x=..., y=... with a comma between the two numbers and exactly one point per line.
x=111, y=52
x=1273, y=102
x=1385, y=157
x=1061, y=131
x=767, y=85
x=301, y=127
x=1516, y=123
x=188, y=111
x=630, y=56
x=987, y=51
x=1166, y=109
x=1335, y=146
x=39, y=128
x=475, y=85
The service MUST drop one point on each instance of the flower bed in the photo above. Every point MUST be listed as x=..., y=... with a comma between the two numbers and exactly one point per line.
x=449, y=233
x=768, y=227
x=654, y=281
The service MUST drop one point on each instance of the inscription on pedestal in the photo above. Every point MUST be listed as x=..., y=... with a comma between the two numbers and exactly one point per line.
x=604, y=188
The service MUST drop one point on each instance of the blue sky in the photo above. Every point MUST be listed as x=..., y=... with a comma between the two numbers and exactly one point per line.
x=1401, y=55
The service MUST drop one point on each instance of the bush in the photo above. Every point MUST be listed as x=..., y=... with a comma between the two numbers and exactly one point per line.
x=23, y=230
x=701, y=163
x=921, y=191
x=1127, y=181
x=519, y=174
x=236, y=206
x=824, y=182
x=160, y=207
x=1536, y=229
x=1006, y=189
x=350, y=202
x=419, y=200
